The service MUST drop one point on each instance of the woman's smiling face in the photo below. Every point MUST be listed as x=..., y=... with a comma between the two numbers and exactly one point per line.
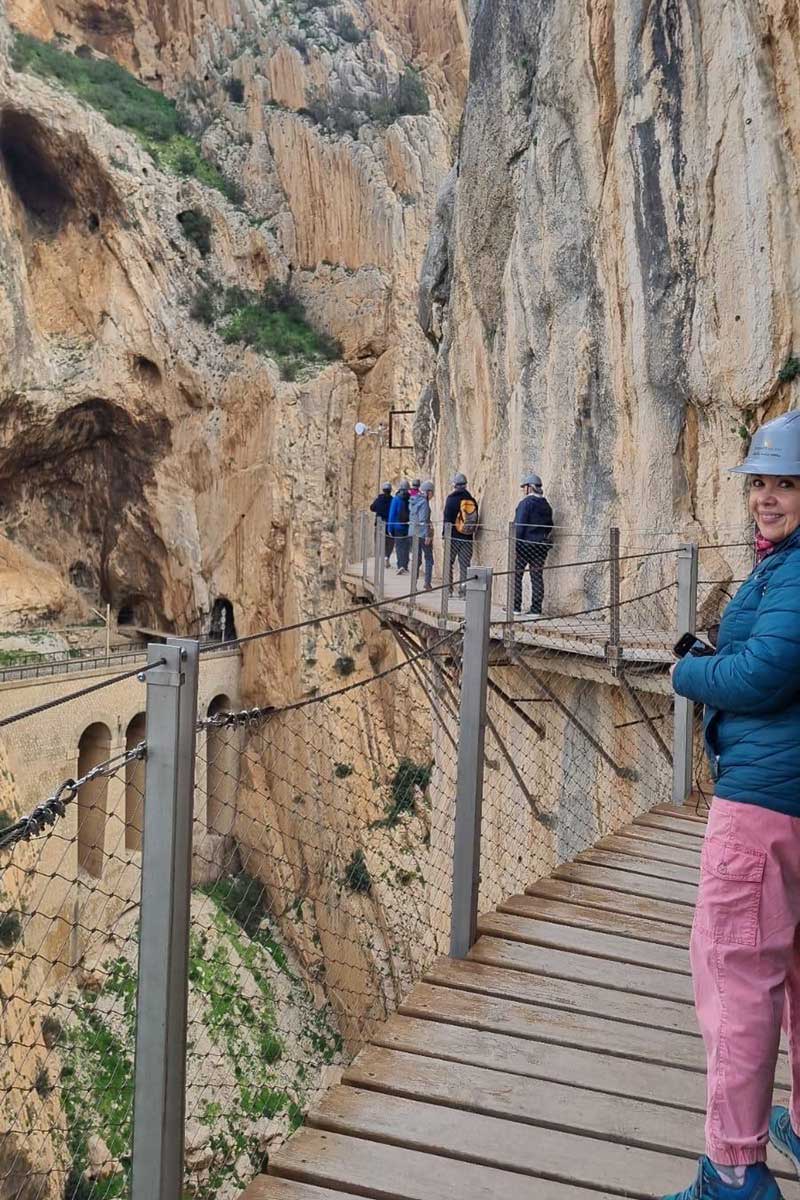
x=775, y=504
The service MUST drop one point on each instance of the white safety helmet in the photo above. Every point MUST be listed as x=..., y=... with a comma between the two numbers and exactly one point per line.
x=775, y=448
x=531, y=480
x=459, y=479
x=427, y=486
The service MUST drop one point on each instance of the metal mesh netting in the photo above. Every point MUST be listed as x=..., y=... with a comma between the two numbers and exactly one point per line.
x=322, y=891
x=69, y=914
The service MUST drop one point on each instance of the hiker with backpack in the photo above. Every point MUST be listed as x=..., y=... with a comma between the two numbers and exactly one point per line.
x=461, y=512
x=398, y=526
x=533, y=531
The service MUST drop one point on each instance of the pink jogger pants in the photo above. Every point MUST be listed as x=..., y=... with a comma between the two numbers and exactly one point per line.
x=745, y=952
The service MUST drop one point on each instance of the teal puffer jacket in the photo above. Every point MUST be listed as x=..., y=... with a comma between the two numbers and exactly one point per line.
x=751, y=687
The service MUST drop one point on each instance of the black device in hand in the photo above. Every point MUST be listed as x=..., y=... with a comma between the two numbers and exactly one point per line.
x=690, y=644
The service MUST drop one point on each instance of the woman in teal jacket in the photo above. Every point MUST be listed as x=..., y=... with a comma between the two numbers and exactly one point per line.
x=746, y=932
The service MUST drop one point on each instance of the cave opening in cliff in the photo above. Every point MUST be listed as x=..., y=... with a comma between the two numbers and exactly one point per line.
x=222, y=627
x=33, y=175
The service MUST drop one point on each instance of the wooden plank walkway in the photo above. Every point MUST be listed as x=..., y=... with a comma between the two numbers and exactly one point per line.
x=586, y=635
x=560, y=1060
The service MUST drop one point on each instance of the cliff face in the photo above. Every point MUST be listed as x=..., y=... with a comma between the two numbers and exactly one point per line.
x=146, y=460
x=612, y=276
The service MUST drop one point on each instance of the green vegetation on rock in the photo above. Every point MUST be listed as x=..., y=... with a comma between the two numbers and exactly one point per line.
x=357, y=877
x=790, y=369
x=196, y=226
x=107, y=87
x=273, y=322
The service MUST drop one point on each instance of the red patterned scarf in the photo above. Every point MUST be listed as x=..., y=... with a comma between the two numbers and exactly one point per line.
x=763, y=546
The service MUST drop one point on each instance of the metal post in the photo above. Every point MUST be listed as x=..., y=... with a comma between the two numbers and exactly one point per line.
x=469, y=786
x=364, y=544
x=380, y=557
x=613, y=650
x=447, y=575
x=160, y=1071
x=108, y=632
x=415, y=552
x=511, y=564
x=683, y=711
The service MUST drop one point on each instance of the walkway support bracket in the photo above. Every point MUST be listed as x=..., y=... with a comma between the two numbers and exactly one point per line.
x=683, y=711
x=380, y=557
x=469, y=786
x=161, y=1008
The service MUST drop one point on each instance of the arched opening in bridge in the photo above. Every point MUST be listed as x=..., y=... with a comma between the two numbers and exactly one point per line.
x=93, y=748
x=222, y=765
x=222, y=627
x=134, y=785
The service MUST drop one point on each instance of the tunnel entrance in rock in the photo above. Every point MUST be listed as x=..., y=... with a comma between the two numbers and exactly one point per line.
x=222, y=627
x=33, y=175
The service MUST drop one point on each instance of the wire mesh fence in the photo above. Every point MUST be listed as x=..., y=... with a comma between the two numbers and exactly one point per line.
x=68, y=975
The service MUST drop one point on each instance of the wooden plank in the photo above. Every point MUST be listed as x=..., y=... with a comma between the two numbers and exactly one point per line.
x=653, y=1012
x=269, y=1187
x=596, y=1070
x=500, y=1015
x=585, y=917
x=639, y=866
x=537, y=1102
x=660, y=837
x=626, y=881
x=680, y=810
x=499, y=1143
x=581, y=940
x=674, y=824
x=531, y=1101
x=586, y=896
x=644, y=848
x=582, y=968
x=395, y=1173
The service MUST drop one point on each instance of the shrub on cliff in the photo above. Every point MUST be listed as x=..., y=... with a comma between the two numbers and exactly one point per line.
x=196, y=228
x=357, y=877
x=106, y=86
x=275, y=324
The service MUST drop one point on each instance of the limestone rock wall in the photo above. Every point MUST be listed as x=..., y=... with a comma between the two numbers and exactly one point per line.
x=612, y=278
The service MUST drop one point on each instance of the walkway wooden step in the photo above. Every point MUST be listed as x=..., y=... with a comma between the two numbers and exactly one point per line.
x=580, y=939
x=584, y=1066
x=674, y=824
x=620, y=923
x=581, y=894
x=494, y=1142
x=650, y=1011
x=652, y=850
x=683, y=810
x=661, y=837
x=395, y=1173
x=495, y=1093
x=501, y=1015
x=629, y=882
x=560, y=1061
x=640, y=866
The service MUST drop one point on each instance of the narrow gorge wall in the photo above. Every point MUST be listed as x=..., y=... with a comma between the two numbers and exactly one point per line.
x=613, y=275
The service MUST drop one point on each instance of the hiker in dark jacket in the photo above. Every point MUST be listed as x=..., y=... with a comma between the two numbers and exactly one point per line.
x=380, y=506
x=533, y=531
x=461, y=513
x=398, y=527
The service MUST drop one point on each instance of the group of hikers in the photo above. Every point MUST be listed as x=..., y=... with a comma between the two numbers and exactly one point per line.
x=408, y=514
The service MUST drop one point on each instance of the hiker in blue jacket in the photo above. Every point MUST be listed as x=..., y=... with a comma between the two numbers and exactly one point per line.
x=533, y=530
x=745, y=943
x=381, y=506
x=398, y=526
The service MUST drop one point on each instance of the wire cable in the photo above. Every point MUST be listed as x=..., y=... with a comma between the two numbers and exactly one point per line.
x=87, y=691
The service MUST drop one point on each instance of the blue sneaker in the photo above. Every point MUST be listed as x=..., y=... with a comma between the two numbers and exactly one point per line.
x=783, y=1137
x=759, y=1184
